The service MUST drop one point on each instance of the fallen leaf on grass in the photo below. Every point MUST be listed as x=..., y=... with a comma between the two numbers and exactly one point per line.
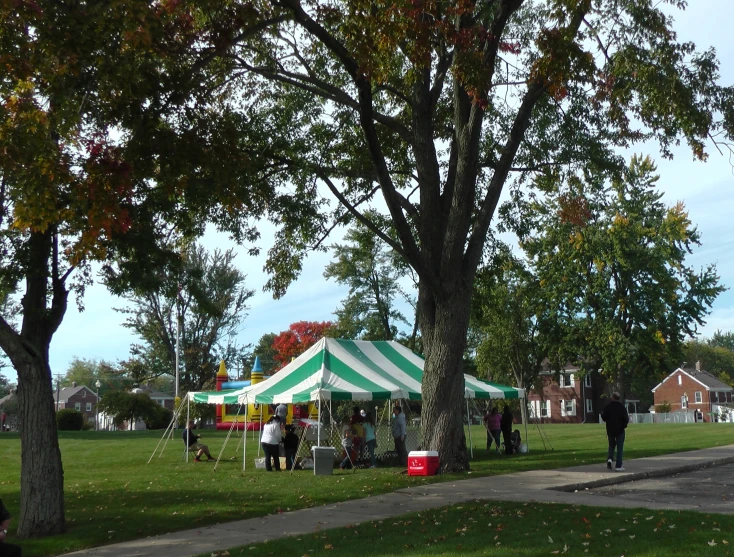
x=550, y=540
x=712, y=543
x=328, y=546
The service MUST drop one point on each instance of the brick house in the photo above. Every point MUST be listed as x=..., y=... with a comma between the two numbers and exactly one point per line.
x=690, y=389
x=569, y=399
x=78, y=397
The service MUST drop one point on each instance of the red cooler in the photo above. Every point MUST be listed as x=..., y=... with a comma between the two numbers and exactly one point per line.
x=423, y=463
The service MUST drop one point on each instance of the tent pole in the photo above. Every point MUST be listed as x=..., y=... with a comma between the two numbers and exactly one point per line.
x=525, y=406
x=173, y=426
x=468, y=421
x=166, y=433
x=226, y=439
x=188, y=418
x=261, y=432
x=318, y=423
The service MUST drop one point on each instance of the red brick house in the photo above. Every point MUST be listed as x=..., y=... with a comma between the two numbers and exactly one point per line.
x=80, y=398
x=569, y=399
x=690, y=389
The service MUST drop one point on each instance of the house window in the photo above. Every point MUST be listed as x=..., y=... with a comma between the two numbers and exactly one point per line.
x=568, y=407
x=566, y=380
x=163, y=402
x=78, y=406
x=699, y=397
x=544, y=409
x=680, y=379
x=89, y=406
x=587, y=381
x=684, y=401
x=589, y=406
x=84, y=393
x=714, y=398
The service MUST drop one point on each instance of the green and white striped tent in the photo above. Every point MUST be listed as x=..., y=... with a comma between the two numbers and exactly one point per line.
x=227, y=396
x=336, y=369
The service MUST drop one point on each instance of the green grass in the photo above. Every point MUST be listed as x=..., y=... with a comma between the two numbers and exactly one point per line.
x=112, y=495
x=484, y=528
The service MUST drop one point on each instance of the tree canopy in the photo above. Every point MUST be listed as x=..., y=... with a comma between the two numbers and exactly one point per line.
x=208, y=294
x=611, y=256
x=366, y=265
x=439, y=107
x=299, y=337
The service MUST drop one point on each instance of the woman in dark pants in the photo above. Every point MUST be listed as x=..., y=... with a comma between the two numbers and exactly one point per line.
x=270, y=441
x=506, y=426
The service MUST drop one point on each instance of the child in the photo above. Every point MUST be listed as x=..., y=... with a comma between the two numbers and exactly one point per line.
x=347, y=444
x=290, y=444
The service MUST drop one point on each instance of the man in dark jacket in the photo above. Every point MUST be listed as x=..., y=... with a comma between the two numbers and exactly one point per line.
x=6, y=549
x=616, y=417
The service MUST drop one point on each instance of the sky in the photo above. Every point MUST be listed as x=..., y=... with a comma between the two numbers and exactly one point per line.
x=707, y=189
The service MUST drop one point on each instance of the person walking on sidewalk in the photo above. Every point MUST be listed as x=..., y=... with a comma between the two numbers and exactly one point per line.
x=616, y=417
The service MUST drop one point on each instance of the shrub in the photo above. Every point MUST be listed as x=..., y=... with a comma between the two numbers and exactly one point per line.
x=69, y=419
x=158, y=418
x=663, y=408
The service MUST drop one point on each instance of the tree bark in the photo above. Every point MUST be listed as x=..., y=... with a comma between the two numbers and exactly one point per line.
x=444, y=322
x=41, y=473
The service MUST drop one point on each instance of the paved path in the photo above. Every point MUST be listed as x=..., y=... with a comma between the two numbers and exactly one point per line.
x=574, y=486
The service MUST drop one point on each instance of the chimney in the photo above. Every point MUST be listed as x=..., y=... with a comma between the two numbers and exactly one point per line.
x=73, y=384
x=698, y=365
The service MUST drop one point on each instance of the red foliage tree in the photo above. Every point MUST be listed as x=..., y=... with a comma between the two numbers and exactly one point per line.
x=299, y=337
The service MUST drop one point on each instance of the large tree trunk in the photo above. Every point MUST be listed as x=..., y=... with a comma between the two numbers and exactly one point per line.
x=41, y=472
x=444, y=324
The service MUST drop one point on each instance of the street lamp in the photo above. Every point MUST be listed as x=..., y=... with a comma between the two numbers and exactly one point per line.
x=96, y=407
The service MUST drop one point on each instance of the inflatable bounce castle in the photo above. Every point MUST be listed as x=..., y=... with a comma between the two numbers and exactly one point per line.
x=251, y=416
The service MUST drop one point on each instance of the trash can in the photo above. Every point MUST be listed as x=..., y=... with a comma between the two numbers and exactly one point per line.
x=323, y=461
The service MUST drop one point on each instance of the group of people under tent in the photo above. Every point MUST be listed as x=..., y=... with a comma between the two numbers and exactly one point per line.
x=499, y=427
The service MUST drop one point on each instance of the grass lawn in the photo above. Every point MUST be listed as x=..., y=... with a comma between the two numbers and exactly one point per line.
x=112, y=495
x=484, y=528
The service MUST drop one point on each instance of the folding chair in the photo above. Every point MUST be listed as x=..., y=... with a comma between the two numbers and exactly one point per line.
x=187, y=449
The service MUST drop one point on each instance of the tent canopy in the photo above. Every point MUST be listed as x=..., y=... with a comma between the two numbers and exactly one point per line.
x=227, y=396
x=337, y=369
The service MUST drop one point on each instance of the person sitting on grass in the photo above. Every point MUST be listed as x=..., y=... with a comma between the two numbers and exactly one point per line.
x=347, y=442
x=192, y=442
x=6, y=549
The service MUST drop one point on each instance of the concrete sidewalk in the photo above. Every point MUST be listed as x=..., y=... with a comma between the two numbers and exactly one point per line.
x=568, y=485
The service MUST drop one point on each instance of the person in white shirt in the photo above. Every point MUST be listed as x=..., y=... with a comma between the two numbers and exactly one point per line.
x=270, y=441
x=399, y=430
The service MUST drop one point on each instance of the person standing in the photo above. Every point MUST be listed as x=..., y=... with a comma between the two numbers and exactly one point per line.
x=281, y=411
x=270, y=442
x=290, y=444
x=6, y=549
x=506, y=428
x=616, y=417
x=370, y=438
x=399, y=431
x=492, y=421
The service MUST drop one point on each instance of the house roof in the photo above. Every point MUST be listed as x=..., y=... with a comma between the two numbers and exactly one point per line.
x=709, y=381
x=65, y=393
x=6, y=398
x=151, y=393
